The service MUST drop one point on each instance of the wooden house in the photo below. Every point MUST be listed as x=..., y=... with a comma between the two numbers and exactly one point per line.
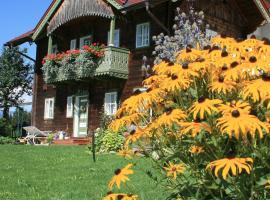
x=74, y=104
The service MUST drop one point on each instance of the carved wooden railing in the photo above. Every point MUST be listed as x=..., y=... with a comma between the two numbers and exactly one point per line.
x=113, y=64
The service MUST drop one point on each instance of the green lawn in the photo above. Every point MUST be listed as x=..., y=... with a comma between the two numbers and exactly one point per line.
x=57, y=172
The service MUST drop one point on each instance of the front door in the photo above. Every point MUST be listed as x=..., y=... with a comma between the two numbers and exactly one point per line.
x=81, y=116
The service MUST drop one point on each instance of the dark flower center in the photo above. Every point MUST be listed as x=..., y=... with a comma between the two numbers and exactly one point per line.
x=132, y=132
x=208, y=47
x=214, y=48
x=252, y=59
x=188, y=48
x=197, y=120
x=221, y=79
x=266, y=76
x=224, y=68
x=235, y=113
x=170, y=63
x=174, y=77
x=224, y=54
x=108, y=193
x=185, y=65
x=117, y=172
x=149, y=89
x=136, y=92
x=200, y=60
x=173, y=169
x=234, y=64
x=168, y=111
x=201, y=99
x=120, y=196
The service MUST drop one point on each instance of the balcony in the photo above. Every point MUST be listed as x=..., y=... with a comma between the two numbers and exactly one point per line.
x=81, y=66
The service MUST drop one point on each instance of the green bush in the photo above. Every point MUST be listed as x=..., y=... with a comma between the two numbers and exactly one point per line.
x=6, y=140
x=5, y=127
x=107, y=141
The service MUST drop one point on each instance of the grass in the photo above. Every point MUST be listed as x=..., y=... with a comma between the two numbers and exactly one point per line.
x=63, y=173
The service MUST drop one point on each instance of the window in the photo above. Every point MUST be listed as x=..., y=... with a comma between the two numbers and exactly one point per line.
x=73, y=44
x=87, y=40
x=110, y=106
x=49, y=108
x=116, y=38
x=142, y=35
x=54, y=49
x=70, y=107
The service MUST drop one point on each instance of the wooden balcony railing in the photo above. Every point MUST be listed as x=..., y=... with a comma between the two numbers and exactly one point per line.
x=114, y=63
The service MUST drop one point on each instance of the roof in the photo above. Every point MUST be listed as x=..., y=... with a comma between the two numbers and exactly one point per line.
x=26, y=37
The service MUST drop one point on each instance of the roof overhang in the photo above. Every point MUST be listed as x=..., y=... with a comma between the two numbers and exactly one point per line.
x=26, y=37
x=264, y=6
x=73, y=9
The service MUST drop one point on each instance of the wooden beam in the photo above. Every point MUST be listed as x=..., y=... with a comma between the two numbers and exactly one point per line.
x=112, y=30
x=50, y=44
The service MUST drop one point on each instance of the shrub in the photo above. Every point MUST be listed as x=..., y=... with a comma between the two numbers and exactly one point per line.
x=6, y=140
x=107, y=141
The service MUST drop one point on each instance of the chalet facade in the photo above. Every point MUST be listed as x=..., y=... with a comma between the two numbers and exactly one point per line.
x=74, y=104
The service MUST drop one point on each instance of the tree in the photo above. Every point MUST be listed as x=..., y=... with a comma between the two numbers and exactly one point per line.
x=15, y=78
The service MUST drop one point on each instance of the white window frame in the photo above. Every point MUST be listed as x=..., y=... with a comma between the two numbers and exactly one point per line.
x=73, y=44
x=82, y=40
x=142, y=38
x=54, y=49
x=116, y=41
x=108, y=106
x=47, y=108
x=69, y=109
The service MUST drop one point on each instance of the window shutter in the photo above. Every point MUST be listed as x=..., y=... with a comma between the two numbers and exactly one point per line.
x=73, y=44
x=69, y=107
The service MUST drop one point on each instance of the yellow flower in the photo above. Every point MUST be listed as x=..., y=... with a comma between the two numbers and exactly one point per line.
x=121, y=196
x=267, y=185
x=257, y=89
x=237, y=123
x=174, y=169
x=126, y=121
x=188, y=54
x=170, y=117
x=120, y=176
x=126, y=153
x=194, y=128
x=236, y=165
x=184, y=70
x=134, y=136
x=204, y=105
x=222, y=86
x=242, y=107
x=196, y=149
x=175, y=83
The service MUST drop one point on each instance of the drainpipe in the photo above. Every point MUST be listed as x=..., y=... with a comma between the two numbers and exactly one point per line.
x=155, y=18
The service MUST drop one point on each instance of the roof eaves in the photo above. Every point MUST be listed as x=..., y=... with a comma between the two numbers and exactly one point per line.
x=264, y=11
x=41, y=25
x=115, y=4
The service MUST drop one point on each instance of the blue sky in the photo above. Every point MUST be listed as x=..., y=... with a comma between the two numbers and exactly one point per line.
x=18, y=17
